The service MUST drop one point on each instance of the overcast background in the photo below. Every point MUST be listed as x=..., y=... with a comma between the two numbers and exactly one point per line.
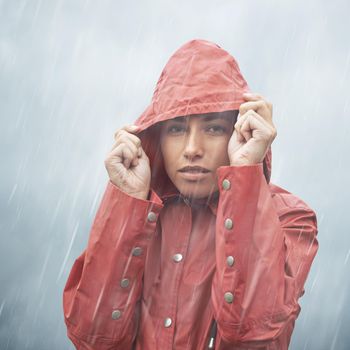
x=72, y=72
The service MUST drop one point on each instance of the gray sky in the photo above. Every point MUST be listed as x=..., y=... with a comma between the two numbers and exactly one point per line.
x=72, y=72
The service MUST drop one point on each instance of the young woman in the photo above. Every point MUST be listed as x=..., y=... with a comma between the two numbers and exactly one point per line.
x=192, y=247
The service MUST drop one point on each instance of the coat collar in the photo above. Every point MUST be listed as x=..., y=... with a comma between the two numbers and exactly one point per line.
x=211, y=202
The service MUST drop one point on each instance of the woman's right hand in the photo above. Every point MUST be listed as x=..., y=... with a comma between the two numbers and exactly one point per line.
x=128, y=165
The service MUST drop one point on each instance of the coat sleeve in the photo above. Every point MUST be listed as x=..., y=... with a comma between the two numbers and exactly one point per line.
x=102, y=293
x=264, y=253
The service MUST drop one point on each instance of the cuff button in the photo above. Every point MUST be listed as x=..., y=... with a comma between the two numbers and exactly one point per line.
x=151, y=217
x=226, y=184
x=228, y=224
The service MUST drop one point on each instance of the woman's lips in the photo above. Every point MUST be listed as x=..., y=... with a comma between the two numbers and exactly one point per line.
x=194, y=174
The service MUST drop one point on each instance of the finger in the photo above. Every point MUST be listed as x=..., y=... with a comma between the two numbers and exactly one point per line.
x=129, y=138
x=247, y=124
x=136, y=149
x=131, y=128
x=240, y=120
x=127, y=129
x=124, y=137
x=246, y=130
x=129, y=142
x=255, y=123
x=253, y=105
x=261, y=114
x=136, y=152
x=266, y=123
x=238, y=125
x=128, y=156
x=264, y=107
x=125, y=153
x=119, y=153
x=252, y=96
x=122, y=134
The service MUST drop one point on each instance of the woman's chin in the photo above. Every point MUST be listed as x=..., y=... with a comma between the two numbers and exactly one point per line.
x=196, y=193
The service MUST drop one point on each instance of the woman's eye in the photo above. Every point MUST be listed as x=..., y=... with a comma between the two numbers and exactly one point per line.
x=216, y=129
x=175, y=129
x=180, y=129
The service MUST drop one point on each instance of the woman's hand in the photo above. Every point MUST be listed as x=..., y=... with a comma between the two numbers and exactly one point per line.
x=128, y=165
x=254, y=131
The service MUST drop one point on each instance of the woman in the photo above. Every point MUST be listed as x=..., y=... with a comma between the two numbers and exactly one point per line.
x=192, y=246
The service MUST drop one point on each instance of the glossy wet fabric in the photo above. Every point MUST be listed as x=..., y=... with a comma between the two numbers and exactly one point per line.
x=157, y=272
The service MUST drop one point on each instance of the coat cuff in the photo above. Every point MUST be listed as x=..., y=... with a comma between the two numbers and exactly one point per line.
x=140, y=215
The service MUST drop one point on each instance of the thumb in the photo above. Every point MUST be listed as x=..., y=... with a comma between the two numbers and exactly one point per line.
x=132, y=128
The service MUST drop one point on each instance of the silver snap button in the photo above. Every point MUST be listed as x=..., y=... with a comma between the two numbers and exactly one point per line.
x=151, y=216
x=226, y=184
x=137, y=251
x=167, y=322
x=228, y=223
x=177, y=257
x=230, y=260
x=228, y=297
x=124, y=283
x=116, y=314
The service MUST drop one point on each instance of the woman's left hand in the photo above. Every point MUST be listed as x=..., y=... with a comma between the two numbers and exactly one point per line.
x=254, y=131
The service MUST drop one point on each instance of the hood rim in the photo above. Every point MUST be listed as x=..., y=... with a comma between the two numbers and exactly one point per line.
x=227, y=101
x=166, y=188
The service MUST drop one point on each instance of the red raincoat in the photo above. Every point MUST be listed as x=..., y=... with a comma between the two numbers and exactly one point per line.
x=157, y=272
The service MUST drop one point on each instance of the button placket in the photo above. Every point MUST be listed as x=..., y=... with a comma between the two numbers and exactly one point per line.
x=175, y=259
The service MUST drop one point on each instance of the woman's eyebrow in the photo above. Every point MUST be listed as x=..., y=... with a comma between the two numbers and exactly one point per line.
x=210, y=118
x=178, y=119
x=207, y=118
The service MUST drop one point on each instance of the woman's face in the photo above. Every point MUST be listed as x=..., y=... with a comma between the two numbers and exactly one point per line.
x=193, y=147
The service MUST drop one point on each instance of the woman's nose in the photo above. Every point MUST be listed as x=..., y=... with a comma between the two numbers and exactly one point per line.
x=193, y=145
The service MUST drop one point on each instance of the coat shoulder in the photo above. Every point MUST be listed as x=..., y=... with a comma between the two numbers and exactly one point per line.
x=286, y=201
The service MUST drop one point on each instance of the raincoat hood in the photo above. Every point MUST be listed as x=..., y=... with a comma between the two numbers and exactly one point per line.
x=200, y=77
